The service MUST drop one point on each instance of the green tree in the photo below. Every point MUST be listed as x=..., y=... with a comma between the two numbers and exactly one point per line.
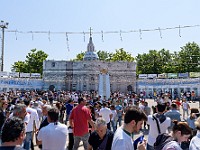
x=19, y=66
x=154, y=62
x=189, y=57
x=166, y=61
x=176, y=62
x=32, y=64
x=141, y=63
x=103, y=55
x=34, y=61
x=79, y=57
x=186, y=60
x=121, y=55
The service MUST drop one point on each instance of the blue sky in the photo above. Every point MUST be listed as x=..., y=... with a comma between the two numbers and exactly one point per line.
x=101, y=15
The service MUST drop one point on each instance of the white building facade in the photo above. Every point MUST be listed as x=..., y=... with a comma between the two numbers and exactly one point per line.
x=84, y=75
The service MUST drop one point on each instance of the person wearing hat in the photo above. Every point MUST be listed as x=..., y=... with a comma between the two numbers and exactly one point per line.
x=195, y=142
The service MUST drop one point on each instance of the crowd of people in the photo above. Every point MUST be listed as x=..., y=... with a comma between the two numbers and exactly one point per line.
x=61, y=120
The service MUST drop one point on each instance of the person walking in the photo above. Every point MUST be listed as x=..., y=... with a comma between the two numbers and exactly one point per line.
x=102, y=137
x=173, y=114
x=54, y=135
x=180, y=133
x=119, y=110
x=34, y=119
x=186, y=107
x=106, y=114
x=133, y=121
x=78, y=120
x=44, y=121
x=147, y=111
x=158, y=124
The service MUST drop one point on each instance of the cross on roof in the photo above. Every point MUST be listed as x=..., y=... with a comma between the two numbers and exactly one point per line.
x=90, y=32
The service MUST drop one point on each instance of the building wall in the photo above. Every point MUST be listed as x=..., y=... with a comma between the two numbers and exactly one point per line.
x=83, y=75
x=56, y=73
x=169, y=85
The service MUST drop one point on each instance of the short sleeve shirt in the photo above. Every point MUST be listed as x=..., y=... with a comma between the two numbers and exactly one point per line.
x=95, y=141
x=80, y=116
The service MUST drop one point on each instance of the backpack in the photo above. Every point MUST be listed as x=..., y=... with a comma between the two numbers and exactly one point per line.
x=162, y=140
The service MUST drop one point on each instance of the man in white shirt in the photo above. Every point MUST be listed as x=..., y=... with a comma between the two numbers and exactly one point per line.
x=30, y=126
x=133, y=121
x=54, y=135
x=106, y=114
x=163, y=122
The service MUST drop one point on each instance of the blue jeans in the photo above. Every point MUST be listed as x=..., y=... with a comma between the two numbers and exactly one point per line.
x=77, y=140
x=113, y=123
x=185, y=111
x=119, y=120
x=27, y=141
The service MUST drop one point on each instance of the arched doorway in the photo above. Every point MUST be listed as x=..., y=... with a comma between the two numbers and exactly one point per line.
x=52, y=88
x=129, y=88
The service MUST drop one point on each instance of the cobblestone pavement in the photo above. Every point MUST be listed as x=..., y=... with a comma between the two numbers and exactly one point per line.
x=145, y=132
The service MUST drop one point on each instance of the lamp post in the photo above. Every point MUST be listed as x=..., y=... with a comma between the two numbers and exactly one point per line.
x=3, y=25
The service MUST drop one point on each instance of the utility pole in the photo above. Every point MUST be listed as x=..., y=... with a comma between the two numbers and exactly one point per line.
x=3, y=26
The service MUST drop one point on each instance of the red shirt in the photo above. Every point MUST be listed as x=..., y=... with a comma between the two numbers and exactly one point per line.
x=80, y=116
x=178, y=103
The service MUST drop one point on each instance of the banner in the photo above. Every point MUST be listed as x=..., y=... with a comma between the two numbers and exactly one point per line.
x=142, y=76
x=23, y=83
x=35, y=75
x=3, y=74
x=194, y=74
x=151, y=76
x=14, y=74
x=24, y=75
x=162, y=76
x=172, y=75
x=183, y=75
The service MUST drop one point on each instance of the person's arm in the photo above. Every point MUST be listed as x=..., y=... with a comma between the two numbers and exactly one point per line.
x=142, y=146
x=89, y=147
x=39, y=138
x=71, y=124
x=37, y=120
x=71, y=118
x=92, y=124
x=100, y=114
x=111, y=115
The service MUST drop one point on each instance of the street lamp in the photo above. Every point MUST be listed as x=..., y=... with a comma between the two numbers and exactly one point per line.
x=3, y=25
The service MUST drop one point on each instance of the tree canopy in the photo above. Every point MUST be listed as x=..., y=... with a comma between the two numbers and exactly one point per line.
x=32, y=64
x=153, y=62
x=79, y=57
x=122, y=55
x=162, y=61
x=119, y=55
